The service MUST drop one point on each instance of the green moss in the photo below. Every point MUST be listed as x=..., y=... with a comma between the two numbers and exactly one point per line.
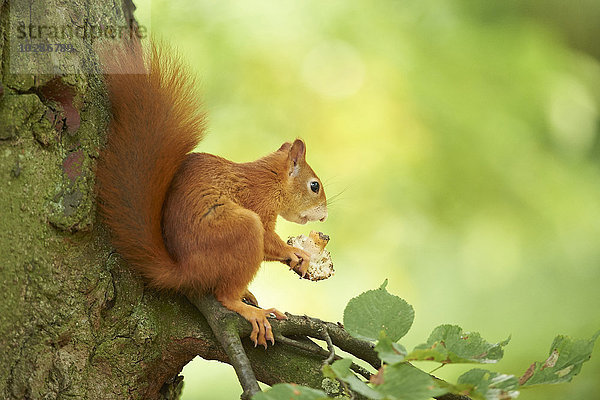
x=30, y=252
x=331, y=387
x=44, y=132
x=18, y=114
x=72, y=209
x=19, y=82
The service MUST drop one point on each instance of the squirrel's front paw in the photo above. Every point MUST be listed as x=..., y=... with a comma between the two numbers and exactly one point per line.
x=298, y=260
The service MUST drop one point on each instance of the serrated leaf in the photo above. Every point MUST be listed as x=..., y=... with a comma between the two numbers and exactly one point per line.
x=341, y=370
x=403, y=381
x=563, y=363
x=377, y=310
x=487, y=385
x=450, y=344
x=389, y=352
x=290, y=391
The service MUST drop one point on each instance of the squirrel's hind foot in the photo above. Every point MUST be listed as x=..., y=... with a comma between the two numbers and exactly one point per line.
x=261, y=328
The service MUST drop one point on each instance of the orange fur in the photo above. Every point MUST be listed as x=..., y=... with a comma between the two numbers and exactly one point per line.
x=193, y=222
x=155, y=124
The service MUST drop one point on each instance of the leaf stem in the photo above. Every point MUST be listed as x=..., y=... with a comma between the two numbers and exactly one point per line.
x=436, y=368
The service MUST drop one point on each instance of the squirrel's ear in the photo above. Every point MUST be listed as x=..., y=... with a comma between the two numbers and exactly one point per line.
x=296, y=155
x=285, y=147
x=298, y=151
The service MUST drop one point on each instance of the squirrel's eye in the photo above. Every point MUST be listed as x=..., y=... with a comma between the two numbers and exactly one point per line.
x=314, y=186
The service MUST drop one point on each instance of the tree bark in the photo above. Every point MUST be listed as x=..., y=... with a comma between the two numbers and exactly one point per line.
x=74, y=321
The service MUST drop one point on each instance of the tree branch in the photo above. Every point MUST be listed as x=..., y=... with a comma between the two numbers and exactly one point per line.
x=292, y=346
x=313, y=327
x=311, y=347
x=224, y=326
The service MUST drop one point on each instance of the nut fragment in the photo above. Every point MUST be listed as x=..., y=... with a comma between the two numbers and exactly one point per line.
x=320, y=266
x=319, y=238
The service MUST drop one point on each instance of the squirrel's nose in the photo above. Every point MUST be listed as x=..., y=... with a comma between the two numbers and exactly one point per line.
x=324, y=215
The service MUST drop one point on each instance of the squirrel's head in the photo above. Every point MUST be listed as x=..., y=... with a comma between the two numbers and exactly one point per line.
x=304, y=195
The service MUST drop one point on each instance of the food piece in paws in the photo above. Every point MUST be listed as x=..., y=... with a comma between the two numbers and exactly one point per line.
x=320, y=266
x=319, y=239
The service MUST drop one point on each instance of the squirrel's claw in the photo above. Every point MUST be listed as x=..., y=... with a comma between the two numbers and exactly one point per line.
x=261, y=328
x=303, y=268
x=268, y=335
x=254, y=334
x=278, y=314
x=299, y=261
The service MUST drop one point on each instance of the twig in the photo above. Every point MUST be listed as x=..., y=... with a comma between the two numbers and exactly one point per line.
x=303, y=345
x=330, y=347
x=307, y=326
x=452, y=396
x=346, y=389
x=224, y=325
x=309, y=346
x=361, y=371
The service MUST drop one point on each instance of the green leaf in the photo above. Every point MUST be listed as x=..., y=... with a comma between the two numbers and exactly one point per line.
x=483, y=384
x=290, y=391
x=341, y=370
x=388, y=351
x=450, y=344
x=377, y=310
x=564, y=362
x=403, y=381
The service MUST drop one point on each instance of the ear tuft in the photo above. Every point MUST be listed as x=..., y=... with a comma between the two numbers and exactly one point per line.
x=298, y=151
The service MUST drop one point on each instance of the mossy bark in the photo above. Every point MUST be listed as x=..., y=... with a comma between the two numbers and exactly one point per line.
x=75, y=321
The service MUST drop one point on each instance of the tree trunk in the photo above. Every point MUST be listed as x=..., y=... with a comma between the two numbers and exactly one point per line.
x=75, y=323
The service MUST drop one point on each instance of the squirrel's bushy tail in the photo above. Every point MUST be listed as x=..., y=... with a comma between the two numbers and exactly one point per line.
x=155, y=123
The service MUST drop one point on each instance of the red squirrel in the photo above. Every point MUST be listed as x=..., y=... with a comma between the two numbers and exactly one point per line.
x=194, y=222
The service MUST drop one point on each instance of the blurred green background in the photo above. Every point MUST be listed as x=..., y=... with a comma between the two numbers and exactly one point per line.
x=461, y=138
